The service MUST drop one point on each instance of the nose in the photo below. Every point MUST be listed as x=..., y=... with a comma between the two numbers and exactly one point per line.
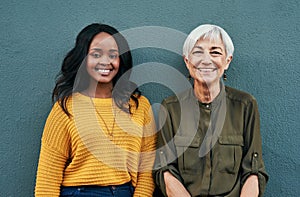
x=104, y=60
x=206, y=60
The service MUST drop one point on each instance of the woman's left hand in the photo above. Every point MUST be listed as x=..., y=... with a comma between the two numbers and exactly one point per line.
x=250, y=188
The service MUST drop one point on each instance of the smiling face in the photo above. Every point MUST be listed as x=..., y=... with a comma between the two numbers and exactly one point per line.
x=207, y=61
x=103, y=58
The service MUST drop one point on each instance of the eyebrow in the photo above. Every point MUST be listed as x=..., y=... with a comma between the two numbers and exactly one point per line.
x=212, y=48
x=111, y=50
x=198, y=47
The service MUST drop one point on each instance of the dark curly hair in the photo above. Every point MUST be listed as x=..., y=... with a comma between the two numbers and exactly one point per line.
x=69, y=80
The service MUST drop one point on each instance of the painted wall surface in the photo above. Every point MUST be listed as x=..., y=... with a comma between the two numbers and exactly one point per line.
x=35, y=36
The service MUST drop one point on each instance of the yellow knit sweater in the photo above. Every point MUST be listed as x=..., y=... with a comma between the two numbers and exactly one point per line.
x=97, y=145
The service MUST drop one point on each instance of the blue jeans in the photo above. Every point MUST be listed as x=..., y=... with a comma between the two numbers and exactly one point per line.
x=125, y=190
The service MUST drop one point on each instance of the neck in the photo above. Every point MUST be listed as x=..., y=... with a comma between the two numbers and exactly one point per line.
x=99, y=90
x=206, y=93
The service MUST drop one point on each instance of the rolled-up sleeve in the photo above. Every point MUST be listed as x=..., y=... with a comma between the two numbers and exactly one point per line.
x=252, y=162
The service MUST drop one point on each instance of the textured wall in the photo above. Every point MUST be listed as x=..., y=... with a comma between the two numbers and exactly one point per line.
x=35, y=35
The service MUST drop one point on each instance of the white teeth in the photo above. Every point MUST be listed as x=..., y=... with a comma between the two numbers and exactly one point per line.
x=102, y=70
x=206, y=69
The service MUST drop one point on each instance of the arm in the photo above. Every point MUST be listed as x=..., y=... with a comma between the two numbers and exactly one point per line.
x=252, y=163
x=53, y=155
x=166, y=173
x=50, y=172
x=250, y=188
x=145, y=183
x=174, y=188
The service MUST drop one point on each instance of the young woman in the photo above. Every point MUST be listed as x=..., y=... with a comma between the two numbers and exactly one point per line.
x=99, y=137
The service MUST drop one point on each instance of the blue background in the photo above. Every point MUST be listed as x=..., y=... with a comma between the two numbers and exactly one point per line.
x=35, y=36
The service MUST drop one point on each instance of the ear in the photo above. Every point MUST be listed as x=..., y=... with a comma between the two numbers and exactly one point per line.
x=186, y=61
x=228, y=60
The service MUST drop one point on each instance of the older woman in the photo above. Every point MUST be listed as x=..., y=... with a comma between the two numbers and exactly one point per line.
x=210, y=143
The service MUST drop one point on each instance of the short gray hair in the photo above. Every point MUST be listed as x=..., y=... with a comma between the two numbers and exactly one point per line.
x=212, y=32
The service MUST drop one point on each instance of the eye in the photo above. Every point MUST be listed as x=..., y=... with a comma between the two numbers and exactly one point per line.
x=197, y=53
x=113, y=56
x=216, y=53
x=95, y=55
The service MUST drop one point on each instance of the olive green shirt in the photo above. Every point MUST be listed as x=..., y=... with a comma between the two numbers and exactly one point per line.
x=211, y=148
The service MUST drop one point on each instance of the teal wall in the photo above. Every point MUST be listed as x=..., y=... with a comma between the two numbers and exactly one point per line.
x=35, y=36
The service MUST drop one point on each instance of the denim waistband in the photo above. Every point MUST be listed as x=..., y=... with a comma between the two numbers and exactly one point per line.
x=99, y=186
x=125, y=189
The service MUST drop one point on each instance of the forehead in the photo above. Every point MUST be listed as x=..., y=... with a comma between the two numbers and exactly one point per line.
x=210, y=42
x=103, y=40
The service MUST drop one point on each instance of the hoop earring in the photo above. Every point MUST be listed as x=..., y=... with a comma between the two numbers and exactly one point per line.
x=225, y=75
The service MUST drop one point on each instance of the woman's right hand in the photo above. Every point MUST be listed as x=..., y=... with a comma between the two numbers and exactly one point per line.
x=174, y=187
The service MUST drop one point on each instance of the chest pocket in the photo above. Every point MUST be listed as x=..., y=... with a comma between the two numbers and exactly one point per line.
x=187, y=148
x=230, y=153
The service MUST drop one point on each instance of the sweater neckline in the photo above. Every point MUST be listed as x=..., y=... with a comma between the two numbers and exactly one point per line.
x=97, y=101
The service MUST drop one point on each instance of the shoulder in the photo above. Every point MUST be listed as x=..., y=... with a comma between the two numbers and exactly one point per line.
x=171, y=99
x=143, y=99
x=238, y=95
x=174, y=99
x=143, y=104
x=57, y=108
x=57, y=113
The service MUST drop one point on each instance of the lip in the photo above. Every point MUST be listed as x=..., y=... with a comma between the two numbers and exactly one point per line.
x=206, y=69
x=103, y=71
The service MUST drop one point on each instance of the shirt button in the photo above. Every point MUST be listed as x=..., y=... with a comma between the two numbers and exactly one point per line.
x=161, y=152
x=255, y=155
x=207, y=106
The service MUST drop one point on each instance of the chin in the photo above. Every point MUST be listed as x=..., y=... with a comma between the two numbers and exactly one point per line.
x=104, y=81
x=209, y=80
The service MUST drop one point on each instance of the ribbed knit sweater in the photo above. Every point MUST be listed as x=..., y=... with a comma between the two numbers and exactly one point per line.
x=98, y=144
